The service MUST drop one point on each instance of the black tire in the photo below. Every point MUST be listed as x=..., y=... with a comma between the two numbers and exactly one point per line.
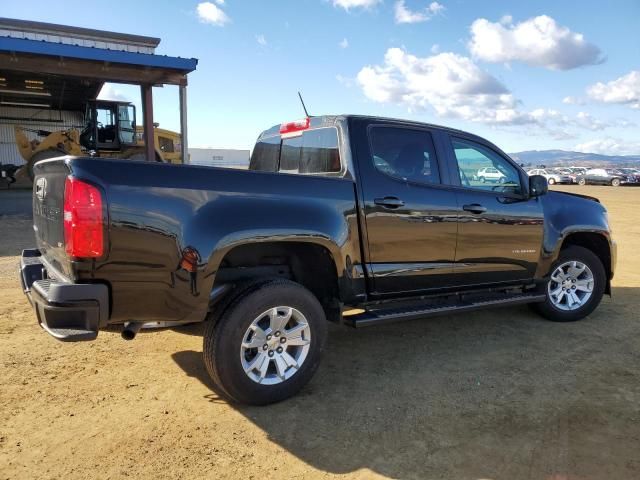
x=551, y=181
x=224, y=335
x=615, y=182
x=582, y=181
x=581, y=254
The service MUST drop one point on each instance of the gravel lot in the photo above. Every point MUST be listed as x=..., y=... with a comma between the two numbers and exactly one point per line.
x=499, y=394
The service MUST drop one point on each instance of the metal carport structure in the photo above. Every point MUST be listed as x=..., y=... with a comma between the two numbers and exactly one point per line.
x=74, y=63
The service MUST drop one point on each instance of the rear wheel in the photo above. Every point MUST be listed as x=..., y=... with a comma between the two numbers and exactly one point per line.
x=267, y=343
x=615, y=182
x=551, y=181
x=582, y=181
x=574, y=287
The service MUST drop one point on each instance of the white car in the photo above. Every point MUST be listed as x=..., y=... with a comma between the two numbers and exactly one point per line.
x=490, y=174
x=552, y=177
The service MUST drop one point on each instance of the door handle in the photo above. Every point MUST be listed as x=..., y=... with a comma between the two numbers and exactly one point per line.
x=389, y=202
x=474, y=208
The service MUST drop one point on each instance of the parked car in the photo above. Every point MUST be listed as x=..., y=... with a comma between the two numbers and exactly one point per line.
x=551, y=176
x=490, y=174
x=578, y=170
x=372, y=214
x=605, y=176
x=632, y=172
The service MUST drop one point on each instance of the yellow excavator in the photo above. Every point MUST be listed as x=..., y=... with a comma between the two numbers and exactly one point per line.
x=110, y=131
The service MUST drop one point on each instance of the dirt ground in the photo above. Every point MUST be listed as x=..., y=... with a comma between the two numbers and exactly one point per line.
x=498, y=394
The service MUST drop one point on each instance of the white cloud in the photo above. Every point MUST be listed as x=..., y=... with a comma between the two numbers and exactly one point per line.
x=346, y=81
x=572, y=101
x=539, y=41
x=451, y=84
x=622, y=90
x=609, y=146
x=405, y=15
x=455, y=87
x=588, y=121
x=110, y=91
x=349, y=4
x=261, y=40
x=344, y=43
x=210, y=13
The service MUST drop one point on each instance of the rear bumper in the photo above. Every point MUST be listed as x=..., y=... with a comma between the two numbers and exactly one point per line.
x=67, y=311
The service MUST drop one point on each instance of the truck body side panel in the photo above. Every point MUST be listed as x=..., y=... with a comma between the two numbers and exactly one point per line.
x=160, y=213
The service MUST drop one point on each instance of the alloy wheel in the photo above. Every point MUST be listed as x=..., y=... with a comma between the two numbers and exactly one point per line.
x=571, y=285
x=275, y=345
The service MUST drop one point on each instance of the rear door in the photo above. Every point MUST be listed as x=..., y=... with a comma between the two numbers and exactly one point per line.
x=410, y=216
x=500, y=229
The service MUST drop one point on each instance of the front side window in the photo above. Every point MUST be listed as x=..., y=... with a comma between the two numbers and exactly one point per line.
x=482, y=168
x=405, y=154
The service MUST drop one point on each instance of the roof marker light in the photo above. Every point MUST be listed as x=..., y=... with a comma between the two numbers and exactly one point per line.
x=295, y=127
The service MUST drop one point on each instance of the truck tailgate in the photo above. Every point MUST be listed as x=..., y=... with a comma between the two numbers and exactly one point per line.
x=48, y=206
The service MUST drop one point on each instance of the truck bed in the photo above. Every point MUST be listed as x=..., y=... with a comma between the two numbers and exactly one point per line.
x=157, y=212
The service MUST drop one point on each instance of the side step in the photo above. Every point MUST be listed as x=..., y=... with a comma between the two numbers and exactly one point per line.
x=389, y=315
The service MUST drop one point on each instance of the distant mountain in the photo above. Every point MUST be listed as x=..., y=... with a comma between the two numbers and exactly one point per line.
x=567, y=158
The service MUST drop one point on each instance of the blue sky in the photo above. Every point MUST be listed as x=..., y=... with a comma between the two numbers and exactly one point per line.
x=526, y=75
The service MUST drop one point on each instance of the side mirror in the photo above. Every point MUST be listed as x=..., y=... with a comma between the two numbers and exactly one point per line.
x=537, y=185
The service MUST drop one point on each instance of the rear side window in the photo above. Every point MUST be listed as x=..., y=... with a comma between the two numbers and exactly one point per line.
x=312, y=152
x=405, y=153
x=265, y=155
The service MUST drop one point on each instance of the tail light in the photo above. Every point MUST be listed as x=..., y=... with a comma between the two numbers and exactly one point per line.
x=83, y=222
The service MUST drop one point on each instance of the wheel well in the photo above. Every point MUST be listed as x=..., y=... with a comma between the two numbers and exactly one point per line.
x=595, y=242
x=308, y=264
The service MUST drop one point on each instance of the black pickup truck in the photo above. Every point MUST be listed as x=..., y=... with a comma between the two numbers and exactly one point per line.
x=349, y=219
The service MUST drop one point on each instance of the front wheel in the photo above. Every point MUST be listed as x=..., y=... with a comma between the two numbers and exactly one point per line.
x=574, y=287
x=582, y=181
x=482, y=180
x=267, y=343
x=551, y=181
x=615, y=182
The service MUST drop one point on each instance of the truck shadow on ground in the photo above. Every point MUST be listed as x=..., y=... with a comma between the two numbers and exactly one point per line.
x=492, y=394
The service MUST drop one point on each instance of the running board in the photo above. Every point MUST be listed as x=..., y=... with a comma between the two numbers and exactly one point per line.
x=379, y=317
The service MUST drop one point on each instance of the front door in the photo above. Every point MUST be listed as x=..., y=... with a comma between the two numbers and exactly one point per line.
x=410, y=215
x=500, y=229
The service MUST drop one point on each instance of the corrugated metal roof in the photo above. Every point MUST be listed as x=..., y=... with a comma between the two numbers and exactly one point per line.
x=28, y=27
x=34, y=47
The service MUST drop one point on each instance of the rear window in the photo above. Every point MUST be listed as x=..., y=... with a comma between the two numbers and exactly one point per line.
x=313, y=152
x=265, y=155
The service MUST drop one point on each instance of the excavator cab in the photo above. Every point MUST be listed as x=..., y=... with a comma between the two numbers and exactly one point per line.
x=110, y=126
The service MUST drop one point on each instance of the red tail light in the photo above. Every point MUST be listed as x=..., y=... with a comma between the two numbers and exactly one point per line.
x=293, y=127
x=83, y=222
